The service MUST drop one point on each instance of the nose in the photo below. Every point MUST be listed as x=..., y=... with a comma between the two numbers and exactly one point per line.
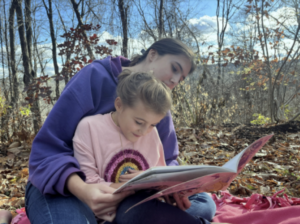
x=174, y=81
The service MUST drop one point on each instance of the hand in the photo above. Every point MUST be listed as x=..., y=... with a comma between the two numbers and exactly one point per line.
x=181, y=202
x=131, y=174
x=99, y=197
x=104, y=205
x=116, y=185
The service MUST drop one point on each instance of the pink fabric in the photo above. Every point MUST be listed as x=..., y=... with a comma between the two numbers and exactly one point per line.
x=257, y=209
x=21, y=218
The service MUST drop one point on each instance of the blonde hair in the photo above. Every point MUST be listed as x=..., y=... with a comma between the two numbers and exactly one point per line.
x=142, y=86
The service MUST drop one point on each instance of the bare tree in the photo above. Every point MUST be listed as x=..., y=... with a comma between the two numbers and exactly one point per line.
x=53, y=40
x=3, y=123
x=28, y=23
x=7, y=51
x=69, y=53
x=273, y=74
x=29, y=73
x=12, y=10
x=24, y=45
x=160, y=19
x=123, y=11
x=226, y=14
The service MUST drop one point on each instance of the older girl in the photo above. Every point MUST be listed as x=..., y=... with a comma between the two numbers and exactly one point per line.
x=126, y=141
x=56, y=191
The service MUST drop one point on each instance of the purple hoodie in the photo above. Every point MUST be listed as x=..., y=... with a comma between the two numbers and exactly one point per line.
x=91, y=91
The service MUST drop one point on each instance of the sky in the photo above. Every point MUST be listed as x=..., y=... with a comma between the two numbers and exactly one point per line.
x=204, y=21
x=209, y=8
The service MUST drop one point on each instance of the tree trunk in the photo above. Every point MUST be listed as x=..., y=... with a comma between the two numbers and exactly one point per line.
x=25, y=56
x=160, y=20
x=15, y=89
x=28, y=27
x=7, y=52
x=124, y=19
x=264, y=47
x=29, y=74
x=53, y=39
x=3, y=123
x=14, y=80
x=2, y=58
x=66, y=77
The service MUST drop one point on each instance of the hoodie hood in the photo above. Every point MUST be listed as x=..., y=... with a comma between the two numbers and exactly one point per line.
x=114, y=65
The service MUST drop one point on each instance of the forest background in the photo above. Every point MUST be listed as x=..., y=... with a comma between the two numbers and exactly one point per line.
x=247, y=52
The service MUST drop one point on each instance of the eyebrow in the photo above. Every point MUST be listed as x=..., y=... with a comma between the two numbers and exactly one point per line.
x=179, y=66
x=140, y=118
x=144, y=120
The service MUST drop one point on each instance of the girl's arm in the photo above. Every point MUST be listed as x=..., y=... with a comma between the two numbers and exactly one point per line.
x=85, y=150
x=98, y=197
x=96, y=192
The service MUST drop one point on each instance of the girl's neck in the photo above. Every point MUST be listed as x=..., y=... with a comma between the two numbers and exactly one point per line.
x=140, y=67
x=114, y=117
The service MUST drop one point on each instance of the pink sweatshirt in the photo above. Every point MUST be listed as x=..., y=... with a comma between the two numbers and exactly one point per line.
x=97, y=147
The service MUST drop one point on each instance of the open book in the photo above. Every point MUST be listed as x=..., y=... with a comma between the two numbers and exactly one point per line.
x=191, y=179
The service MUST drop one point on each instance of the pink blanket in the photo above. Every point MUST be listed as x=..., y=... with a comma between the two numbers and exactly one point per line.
x=257, y=209
x=21, y=218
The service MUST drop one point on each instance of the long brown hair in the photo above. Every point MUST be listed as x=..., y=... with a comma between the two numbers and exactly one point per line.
x=167, y=46
x=144, y=87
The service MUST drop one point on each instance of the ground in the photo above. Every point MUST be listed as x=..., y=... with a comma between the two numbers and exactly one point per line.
x=274, y=167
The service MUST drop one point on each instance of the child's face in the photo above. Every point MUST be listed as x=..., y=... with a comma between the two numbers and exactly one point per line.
x=136, y=122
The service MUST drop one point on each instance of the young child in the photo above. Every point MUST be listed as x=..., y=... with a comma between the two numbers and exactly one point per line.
x=108, y=146
x=114, y=147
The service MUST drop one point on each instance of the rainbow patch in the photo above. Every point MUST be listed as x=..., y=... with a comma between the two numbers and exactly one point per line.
x=121, y=162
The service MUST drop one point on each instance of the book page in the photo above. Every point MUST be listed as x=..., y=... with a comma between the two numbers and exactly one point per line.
x=164, y=169
x=238, y=162
x=251, y=150
x=217, y=181
x=160, y=181
x=213, y=182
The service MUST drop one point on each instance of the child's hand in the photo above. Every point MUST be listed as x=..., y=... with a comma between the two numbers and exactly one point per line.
x=102, y=201
x=99, y=197
x=181, y=202
x=131, y=174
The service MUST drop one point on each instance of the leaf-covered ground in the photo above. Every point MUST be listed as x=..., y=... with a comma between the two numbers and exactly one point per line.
x=274, y=167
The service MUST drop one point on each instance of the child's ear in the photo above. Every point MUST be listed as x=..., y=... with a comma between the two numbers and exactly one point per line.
x=118, y=104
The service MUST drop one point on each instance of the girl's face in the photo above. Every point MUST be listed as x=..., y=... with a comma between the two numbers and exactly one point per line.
x=170, y=69
x=135, y=122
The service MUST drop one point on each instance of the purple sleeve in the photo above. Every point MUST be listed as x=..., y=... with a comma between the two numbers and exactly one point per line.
x=168, y=138
x=51, y=160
